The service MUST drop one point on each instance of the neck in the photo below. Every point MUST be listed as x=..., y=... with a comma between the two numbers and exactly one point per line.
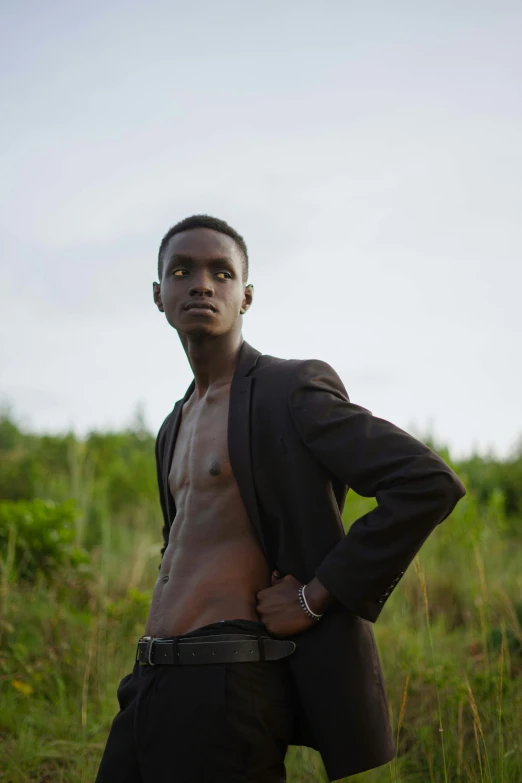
x=212, y=359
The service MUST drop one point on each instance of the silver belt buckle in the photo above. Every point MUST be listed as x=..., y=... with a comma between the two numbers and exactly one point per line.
x=148, y=650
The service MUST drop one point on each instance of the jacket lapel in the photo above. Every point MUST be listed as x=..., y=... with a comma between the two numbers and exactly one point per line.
x=169, y=450
x=238, y=438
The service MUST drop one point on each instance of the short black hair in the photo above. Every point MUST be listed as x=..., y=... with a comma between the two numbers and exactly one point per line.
x=204, y=221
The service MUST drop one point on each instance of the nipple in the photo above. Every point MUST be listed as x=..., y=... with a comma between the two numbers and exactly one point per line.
x=215, y=468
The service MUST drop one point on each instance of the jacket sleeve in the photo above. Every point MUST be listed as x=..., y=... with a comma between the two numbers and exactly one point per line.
x=159, y=450
x=414, y=488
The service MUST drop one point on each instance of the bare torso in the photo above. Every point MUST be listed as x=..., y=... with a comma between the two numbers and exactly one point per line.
x=213, y=566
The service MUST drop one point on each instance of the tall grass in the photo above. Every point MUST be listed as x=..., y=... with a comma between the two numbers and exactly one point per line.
x=450, y=637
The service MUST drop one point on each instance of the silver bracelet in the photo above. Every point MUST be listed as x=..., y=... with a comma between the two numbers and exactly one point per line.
x=304, y=604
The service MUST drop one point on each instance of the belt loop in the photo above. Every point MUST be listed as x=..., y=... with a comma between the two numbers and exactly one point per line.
x=175, y=653
x=261, y=648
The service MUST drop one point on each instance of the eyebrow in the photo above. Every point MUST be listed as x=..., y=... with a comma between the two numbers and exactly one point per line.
x=178, y=258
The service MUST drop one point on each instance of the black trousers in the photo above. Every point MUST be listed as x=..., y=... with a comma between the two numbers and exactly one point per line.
x=215, y=723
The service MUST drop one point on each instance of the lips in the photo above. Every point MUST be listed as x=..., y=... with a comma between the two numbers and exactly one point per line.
x=200, y=306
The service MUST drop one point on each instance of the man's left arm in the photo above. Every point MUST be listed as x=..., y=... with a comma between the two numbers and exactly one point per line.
x=414, y=488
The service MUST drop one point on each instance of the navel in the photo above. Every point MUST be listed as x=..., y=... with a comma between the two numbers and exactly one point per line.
x=215, y=468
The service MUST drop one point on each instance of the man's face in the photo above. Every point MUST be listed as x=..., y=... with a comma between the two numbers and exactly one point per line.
x=202, y=267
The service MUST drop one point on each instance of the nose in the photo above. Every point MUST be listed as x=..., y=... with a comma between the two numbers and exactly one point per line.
x=201, y=285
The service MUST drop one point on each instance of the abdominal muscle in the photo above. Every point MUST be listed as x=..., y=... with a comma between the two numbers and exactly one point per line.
x=202, y=582
x=213, y=566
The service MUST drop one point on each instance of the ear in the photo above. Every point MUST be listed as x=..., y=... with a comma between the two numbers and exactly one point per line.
x=247, y=299
x=156, y=293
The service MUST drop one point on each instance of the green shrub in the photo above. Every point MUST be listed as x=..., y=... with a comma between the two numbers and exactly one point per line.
x=43, y=532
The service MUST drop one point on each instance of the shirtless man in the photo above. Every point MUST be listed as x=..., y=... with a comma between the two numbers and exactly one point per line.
x=215, y=721
x=254, y=464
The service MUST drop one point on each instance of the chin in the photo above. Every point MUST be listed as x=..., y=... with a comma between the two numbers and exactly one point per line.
x=197, y=330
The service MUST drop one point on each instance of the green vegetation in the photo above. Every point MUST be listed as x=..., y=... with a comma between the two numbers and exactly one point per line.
x=80, y=529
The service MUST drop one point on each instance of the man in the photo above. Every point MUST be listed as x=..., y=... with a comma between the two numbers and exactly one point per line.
x=259, y=632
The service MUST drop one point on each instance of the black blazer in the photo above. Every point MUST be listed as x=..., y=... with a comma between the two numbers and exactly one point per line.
x=296, y=444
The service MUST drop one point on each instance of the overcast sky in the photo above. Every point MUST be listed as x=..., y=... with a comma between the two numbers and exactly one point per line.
x=369, y=152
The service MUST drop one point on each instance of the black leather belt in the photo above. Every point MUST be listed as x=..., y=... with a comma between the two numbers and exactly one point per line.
x=223, y=648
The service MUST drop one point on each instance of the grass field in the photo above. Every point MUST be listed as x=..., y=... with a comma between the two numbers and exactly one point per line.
x=76, y=580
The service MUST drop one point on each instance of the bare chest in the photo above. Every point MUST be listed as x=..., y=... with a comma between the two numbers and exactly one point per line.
x=201, y=459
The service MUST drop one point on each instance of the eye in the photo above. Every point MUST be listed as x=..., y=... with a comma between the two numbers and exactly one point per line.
x=182, y=270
